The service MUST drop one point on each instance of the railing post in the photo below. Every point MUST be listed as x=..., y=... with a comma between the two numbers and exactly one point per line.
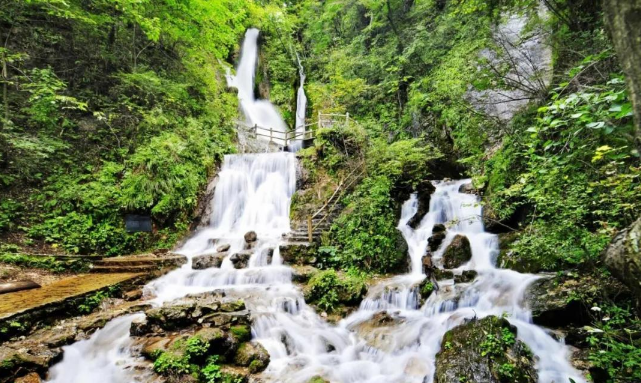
x=309, y=228
x=256, y=129
x=346, y=118
x=270, y=135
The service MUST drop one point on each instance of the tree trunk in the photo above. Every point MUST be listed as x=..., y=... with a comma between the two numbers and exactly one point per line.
x=623, y=18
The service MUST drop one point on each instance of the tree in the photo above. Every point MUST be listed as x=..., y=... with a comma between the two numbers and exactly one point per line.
x=624, y=20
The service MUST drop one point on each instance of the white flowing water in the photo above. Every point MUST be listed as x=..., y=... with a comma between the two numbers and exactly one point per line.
x=254, y=193
x=261, y=113
x=103, y=358
x=301, y=106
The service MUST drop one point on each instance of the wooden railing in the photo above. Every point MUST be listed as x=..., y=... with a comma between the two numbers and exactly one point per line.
x=284, y=138
x=333, y=199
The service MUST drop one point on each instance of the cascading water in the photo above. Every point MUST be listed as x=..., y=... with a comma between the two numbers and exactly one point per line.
x=257, y=112
x=254, y=193
x=301, y=106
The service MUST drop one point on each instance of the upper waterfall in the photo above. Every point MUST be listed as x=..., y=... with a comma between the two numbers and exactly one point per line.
x=261, y=113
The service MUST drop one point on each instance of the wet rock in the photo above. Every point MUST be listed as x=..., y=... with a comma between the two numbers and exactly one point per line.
x=250, y=239
x=439, y=228
x=380, y=329
x=223, y=248
x=466, y=276
x=423, y=196
x=133, y=295
x=441, y=274
x=302, y=274
x=435, y=241
x=14, y=363
x=297, y=253
x=468, y=189
x=202, y=308
x=139, y=327
x=226, y=319
x=623, y=257
x=426, y=288
x=252, y=355
x=457, y=253
x=206, y=261
x=480, y=351
x=241, y=259
x=428, y=265
x=553, y=303
x=154, y=345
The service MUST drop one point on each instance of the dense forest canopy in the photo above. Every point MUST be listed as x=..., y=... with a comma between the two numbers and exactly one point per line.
x=121, y=106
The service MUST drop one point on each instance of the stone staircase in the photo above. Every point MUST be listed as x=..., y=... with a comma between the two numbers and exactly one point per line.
x=321, y=222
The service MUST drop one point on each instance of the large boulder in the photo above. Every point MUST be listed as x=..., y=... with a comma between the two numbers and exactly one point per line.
x=423, y=195
x=241, y=258
x=439, y=232
x=200, y=308
x=553, y=302
x=484, y=350
x=623, y=257
x=457, y=253
x=206, y=261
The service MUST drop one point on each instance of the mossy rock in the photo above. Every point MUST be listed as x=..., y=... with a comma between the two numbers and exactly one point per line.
x=241, y=332
x=457, y=253
x=298, y=254
x=252, y=355
x=317, y=379
x=484, y=350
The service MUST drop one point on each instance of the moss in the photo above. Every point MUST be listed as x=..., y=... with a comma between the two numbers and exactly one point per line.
x=241, y=332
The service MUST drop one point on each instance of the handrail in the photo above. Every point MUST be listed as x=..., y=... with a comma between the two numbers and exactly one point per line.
x=310, y=227
x=294, y=135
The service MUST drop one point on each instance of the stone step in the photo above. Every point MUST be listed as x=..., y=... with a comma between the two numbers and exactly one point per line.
x=124, y=269
x=141, y=261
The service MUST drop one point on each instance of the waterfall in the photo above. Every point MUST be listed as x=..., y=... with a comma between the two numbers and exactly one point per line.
x=301, y=106
x=257, y=112
x=254, y=193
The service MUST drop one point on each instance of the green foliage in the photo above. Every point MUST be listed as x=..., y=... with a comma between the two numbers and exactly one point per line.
x=365, y=236
x=495, y=346
x=242, y=332
x=613, y=343
x=427, y=289
x=169, y=363
x=48, y=263
x=578, y=176
x=131, y=117
x=91, y=302
x=329, y=289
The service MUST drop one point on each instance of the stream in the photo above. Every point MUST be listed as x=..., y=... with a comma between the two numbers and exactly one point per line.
x=254, y=193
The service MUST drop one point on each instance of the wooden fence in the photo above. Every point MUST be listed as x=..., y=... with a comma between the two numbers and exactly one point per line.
x=284, y=138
